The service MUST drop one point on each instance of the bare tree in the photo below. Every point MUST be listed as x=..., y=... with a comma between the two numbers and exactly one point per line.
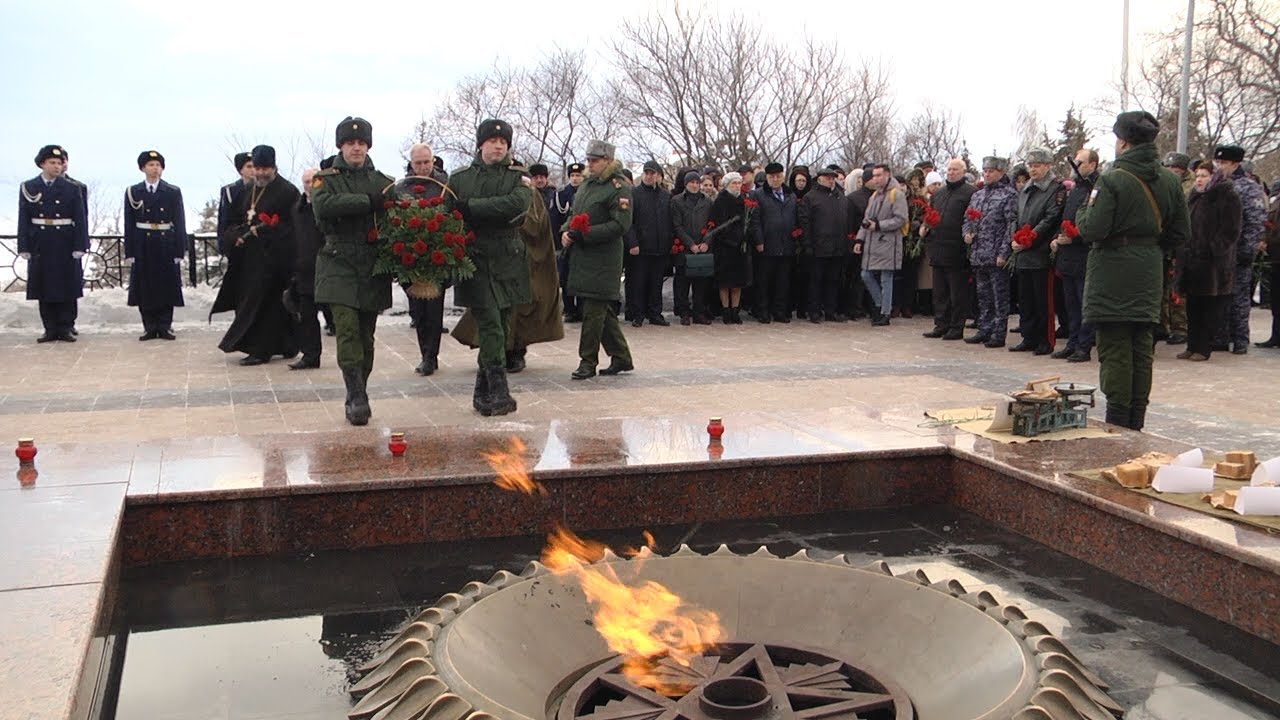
x=864, y=133
x=933, y=133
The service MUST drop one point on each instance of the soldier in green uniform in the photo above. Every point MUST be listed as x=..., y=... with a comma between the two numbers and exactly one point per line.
x=1173, y=311
x=493, y=194
x=1135, y=216
x=348, y=201
x=595, y=265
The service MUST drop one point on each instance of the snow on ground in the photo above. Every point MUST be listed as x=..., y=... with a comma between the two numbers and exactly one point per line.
x=108, y=311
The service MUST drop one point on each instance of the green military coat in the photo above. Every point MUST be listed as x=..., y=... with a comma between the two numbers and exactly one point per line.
x=497, y=198
x=1125, y=277
x=340, y=198
x=595, y=263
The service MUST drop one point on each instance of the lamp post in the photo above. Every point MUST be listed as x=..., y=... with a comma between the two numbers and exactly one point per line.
x=1184, y=99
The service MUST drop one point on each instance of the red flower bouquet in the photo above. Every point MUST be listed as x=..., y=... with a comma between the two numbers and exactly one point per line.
x=973, y=214
x=581, y=223
x=1070, y=230
x=1025, y=237
x=423, y=244
x=797, y=232
x=677, y=247
x=270, y=221
x=932, y=217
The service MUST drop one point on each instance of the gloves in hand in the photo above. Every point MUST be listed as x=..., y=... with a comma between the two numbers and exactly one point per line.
x=77, y=254
x=177, y=261
x=25, y=256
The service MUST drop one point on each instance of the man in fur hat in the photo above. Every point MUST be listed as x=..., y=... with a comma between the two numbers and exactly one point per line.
x=155, y=239
x=52, y=237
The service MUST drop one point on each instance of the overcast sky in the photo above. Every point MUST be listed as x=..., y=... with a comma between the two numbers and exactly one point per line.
x=199, y=80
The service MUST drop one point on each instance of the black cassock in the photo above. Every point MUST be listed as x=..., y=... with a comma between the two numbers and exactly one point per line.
x=258, y=271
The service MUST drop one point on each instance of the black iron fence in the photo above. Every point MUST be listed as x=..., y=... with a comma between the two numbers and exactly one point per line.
x=106, y=267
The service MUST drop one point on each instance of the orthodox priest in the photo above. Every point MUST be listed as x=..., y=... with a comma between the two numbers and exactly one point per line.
x=261, y=250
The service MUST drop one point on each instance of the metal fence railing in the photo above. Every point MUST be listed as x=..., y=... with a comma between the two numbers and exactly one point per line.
x=105, y=266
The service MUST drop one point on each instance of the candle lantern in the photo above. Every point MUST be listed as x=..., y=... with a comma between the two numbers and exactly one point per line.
x=397, y=444
x=26, y=451
x=715, y=428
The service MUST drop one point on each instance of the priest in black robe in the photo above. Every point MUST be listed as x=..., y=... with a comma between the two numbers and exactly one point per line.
x=261, y=249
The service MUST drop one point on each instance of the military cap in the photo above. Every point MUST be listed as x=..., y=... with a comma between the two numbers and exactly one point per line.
x=538, y=170
x=572, y=168
x=1230, y=153
x=829, y=170
x=1136, y=127
x=654, y=166
x=1177, y=160
x=692, y=176
x=493, y=129
x=147, y=156
x=264, y=156
x=50, y=151
x=773, y=167
x=354, y=128
x=991, y=162
x=241, y=159
x=1039, y=155
x=601, y=149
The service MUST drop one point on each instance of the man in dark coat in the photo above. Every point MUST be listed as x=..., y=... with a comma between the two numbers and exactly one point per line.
x=84, y=200
x=689, y=211
x=948, y=254
x=1040, y=206
x=541, y=176
x=302, y=286
x=1253, y=199
x=261, y=252
x=53, y=235
x=427, y=314
x=560, y=211
x=773, y=232
x=649, y=245
x=155, y=239
x=1135, y=215
x=855, y=297
x=348, y=199
x=1071, y=259
x=230, y=193
x=826, y=230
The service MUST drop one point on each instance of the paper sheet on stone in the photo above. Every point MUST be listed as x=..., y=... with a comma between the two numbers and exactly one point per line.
x=977, y=419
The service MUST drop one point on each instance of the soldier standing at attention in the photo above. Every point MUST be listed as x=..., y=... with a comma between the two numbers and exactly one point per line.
x=595, y=260
x=1136, y=215
x=347, y=199
x=52, y=237
x=493, y=196
x=155, y=238
x=230, y=192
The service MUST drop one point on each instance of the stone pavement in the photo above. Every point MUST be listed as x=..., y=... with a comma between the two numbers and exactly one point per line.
x=112, y=388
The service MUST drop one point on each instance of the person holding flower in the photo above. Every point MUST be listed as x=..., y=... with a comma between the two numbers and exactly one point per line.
x=1039, y=219
x=943, y=224
x=1071, y=256
x=988, y=227
x=492, y=196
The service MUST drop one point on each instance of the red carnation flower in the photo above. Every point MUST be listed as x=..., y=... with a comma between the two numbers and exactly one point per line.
x=415, y=222
x=973, y=214
x=797, y=233
x=437, y=200
x=918, y=201
x=459, y=253
x=437, y=258
x=470, y=237
x=387, y=205
x=1070, y=230
x=398, y=248
x=433, y=225
x=581, y=222
x=422, y=202
x=750, y=203
x=397, y=221
x=457, y=214
x=419, y=189
x=932, y=217
x=1025, y=237
x=408, y=259
x=264, y=218
x=405, y=204
x=704, y=231
x=373, y=235
x=711, y=223
x=420, y=247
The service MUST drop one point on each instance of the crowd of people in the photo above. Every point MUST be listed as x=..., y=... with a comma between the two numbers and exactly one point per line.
x=1116, y=259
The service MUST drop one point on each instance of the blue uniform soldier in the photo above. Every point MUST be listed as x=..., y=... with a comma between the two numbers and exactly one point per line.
x=561, y=209
x=230, y=193
x=52, y=236
x=155, y=238
x=84, y=200
x=1228, y=159
x=988, y=230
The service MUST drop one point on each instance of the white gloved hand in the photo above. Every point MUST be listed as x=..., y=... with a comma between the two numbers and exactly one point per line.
x=177, y=261
x=77, y=254
x=25, y=256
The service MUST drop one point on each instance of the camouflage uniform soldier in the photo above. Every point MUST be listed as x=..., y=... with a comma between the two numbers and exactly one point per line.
x=988, y=231
x=1228, y=158
x=1173, y=314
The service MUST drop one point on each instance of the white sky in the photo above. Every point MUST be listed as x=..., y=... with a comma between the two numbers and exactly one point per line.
x=110, y=78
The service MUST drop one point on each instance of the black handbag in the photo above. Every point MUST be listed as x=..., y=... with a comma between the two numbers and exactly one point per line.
x=699, y=265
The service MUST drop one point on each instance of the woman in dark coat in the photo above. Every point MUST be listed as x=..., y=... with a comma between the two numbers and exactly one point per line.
x=1208, y=268
x=727, y=224
x=799, y=181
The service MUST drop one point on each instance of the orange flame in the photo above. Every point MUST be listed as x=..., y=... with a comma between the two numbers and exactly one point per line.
x=645, y=624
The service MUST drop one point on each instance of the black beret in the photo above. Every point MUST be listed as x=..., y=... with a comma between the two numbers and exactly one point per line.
x=264, y=156
x=1230, y=153
x=773, y=167
x=354, y=128
x=654, y=166
x=538, y=170
x=572, y=168
x=1136, y=127
x=50, y=151
x=492, y=129
x=149, y=155
x=241, y=159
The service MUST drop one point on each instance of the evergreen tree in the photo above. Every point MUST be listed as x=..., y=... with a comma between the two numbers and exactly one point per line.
x=1074, y=135
x=208, y=217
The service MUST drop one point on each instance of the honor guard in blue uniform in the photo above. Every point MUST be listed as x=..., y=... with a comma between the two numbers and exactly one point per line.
x=230, y=193
x=155, y=239
x=561, y=204
x=52, y=237
x=84, y=199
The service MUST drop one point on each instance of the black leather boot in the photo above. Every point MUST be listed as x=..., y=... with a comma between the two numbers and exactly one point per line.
x=1118, y=415
x=1137, y=417
x=480, y=398
x=357, y=406
x=515, y=360
x=500, y=400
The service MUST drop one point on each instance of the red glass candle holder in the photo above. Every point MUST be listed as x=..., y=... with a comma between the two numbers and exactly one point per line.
x=26, y=451
x=396, y=444
x=715, y=428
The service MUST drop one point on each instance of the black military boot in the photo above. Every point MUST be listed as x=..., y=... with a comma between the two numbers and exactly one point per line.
x=357, y=406
x=500, y=400
x=480, y=398
x=1118, y=415
x=515, y=360
x=1137, y=417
